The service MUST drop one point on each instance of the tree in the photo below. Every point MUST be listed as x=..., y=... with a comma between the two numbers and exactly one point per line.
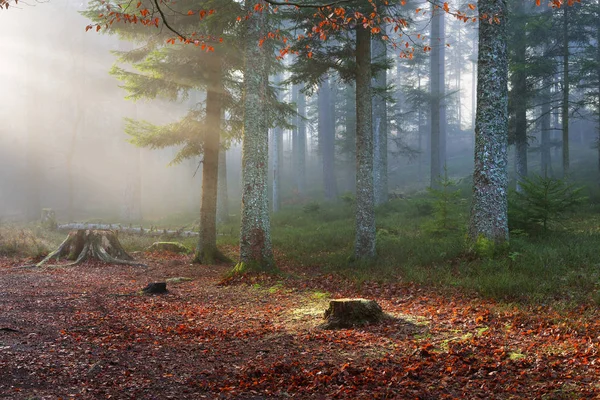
x=380, y=123
x=488, y=217
x=327, y=138
x=348, y=53
x=437, y=91
x=364, y=245
x=519, y=92
x=255, y=235
x=173, y=72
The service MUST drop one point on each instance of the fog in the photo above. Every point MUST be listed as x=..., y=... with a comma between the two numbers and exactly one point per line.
x=59, y=106
x=63, y=145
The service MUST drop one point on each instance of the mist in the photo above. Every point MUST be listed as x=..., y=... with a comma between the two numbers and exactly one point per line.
x=63, y=144
x=63, y=124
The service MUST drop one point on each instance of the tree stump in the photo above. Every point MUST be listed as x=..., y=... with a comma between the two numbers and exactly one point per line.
x=84, y=244
x=155, y=288
x=347, y=313
x=174, y=247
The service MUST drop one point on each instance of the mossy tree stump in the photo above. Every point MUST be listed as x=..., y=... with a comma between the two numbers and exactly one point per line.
x=84, y=244
x=348, y=313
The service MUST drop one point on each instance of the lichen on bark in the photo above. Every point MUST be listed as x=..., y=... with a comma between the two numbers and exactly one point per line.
x=255, y=236
x=488, y=217
x=364, y=246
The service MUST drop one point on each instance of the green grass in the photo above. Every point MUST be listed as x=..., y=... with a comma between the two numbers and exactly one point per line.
x=562, y=265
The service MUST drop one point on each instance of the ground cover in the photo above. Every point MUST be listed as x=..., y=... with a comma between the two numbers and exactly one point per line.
x=84, y=332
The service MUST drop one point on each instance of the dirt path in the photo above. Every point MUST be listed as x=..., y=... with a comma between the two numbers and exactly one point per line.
x=84, y=333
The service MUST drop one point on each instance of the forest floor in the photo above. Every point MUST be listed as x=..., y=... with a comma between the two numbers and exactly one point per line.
x=85, y=333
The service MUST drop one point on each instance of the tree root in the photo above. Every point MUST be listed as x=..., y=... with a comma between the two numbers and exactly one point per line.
x=85, y=244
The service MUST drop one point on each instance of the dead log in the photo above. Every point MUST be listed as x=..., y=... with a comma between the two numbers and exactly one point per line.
x=83, y=244
x=152, y=231
x=348, y=313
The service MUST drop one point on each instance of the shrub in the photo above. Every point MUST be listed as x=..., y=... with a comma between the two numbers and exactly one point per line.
x=541, y=201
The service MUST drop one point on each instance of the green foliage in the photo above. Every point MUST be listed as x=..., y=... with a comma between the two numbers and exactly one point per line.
x=348, y=199
x=445, y=198
x=311, y=208
x=541, y=201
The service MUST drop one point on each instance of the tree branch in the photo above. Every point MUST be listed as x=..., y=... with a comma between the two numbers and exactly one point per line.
x=306, y=5
x=166, y=23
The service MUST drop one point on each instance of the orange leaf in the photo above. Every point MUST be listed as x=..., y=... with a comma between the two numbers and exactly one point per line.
x=472, y=6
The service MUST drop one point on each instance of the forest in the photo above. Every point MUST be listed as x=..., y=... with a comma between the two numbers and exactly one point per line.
x=312, y=199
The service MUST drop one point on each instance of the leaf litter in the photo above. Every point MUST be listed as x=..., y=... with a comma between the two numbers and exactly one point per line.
x=70, y=333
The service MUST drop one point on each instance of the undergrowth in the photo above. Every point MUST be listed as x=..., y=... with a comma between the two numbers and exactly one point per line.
x=561, y=265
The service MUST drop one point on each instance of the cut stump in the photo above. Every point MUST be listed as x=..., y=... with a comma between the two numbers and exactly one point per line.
x=84, y=244
x=348, y=313
x=155, y=288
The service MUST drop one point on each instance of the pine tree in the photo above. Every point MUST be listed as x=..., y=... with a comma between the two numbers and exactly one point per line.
x=172, y=72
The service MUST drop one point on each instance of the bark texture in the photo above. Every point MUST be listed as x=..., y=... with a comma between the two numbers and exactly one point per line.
x=327, y=139
x=255, y=233
x=488, y=217
x=380, y=128
x=364, y=247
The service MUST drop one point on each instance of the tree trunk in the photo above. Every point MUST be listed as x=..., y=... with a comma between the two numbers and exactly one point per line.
x=565, y=87
x=277, y=143
x=598, y=74
x=364, y=247
x=421, y=132
x=546, y=131
x=488, y=217
x=295, y=138
x=519, y=85
x=206, y=250
x=222, y=195
x=327, y=139
x=255, y=235
x=300, y=152
x=380, y=128
x=438, y=102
